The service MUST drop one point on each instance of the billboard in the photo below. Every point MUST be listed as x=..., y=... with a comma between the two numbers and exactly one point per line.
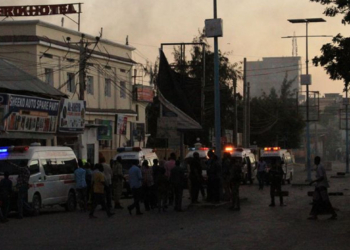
x=72, y=115
x=104, y=132
x=31, y=114
x=121, y=122
x=143, y=93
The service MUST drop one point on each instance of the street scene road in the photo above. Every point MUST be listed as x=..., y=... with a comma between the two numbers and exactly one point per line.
x=256, y=226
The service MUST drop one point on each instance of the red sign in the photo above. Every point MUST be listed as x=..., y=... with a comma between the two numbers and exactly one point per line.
x=144, y=94
x=38, y=10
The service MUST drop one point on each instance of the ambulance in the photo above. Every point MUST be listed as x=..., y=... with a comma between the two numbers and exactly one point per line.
x=133, y=156
x=273, y=155
x=246, y=156
x=203, y=156
x=51, y=169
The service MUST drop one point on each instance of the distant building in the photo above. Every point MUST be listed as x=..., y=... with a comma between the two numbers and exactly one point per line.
x=270, y=73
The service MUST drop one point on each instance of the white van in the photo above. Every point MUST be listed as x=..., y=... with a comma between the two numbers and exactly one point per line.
x=133, y=156
x=246, y=156
x=51, y=173
x=272, y=155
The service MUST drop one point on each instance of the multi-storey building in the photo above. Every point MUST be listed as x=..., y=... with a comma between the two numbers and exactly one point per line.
x=65, y=59
x=271, y=72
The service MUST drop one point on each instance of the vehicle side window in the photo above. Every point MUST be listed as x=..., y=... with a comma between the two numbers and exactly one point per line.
x=34, y=167
x=59, y=166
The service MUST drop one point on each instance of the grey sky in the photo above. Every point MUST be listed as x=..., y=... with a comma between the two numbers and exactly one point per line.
x=252, y=28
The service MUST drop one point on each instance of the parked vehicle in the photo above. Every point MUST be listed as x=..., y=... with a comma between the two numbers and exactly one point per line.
x=276, y=155
x=51, y=174
x=248, y=160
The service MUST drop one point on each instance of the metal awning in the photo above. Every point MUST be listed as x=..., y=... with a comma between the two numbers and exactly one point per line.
x=184, y=122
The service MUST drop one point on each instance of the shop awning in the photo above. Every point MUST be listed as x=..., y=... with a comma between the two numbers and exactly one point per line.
x=184, y=122
x=16, y=81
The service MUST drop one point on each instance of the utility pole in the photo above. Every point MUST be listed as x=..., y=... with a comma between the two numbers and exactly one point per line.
x=235, y=124
x=248, y=116
x=82, y=66
x=244, y=136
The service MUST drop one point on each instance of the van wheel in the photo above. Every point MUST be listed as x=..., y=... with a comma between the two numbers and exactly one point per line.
x=36, y=204
x=71, y=204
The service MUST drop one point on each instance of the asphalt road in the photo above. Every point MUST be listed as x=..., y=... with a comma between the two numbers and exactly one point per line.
x=256, y=226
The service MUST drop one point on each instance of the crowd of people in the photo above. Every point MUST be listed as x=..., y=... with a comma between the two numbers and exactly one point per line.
x=161, y=186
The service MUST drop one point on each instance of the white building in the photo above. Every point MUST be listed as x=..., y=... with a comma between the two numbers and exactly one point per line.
x=53, y=54
x=270, y=73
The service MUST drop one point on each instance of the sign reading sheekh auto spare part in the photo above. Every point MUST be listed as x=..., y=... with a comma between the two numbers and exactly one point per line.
x=30, y=114
x=40, y=10
x=72, y=116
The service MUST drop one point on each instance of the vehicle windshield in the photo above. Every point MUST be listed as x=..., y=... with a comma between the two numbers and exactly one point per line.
x=12, y=166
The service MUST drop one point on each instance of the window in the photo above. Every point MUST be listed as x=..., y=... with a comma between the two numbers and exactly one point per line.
x=59, y=166
x=122, y=70
x=90, y=85
x=108, y=89
x=71, y=82
x=49, y=76
x=122, y=90
x=34, y=167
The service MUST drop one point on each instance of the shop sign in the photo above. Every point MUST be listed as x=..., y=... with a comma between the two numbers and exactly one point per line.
x=31, y=114
x=104, y=132
x=72, y=115
x=38, y=10
x=122, y=122
x=143, y=93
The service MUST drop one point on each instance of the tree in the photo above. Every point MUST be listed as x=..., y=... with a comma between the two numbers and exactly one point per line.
x=336, y=7
x=335, y=59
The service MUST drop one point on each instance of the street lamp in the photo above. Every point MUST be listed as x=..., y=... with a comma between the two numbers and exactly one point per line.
x=308, y=82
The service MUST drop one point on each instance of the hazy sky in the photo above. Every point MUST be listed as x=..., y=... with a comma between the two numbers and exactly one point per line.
x=252, y=28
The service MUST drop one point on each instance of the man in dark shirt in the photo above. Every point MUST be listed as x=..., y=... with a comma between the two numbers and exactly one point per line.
x=23, y=186
x=177, y=179
x=5, y=193
x=276, y=176
x=195, y=177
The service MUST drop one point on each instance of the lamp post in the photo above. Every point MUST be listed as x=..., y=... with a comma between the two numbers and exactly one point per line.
x=307, y=21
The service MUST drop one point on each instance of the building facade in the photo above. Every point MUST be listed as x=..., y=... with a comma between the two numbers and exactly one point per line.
x=271, y=72
x=67, y=59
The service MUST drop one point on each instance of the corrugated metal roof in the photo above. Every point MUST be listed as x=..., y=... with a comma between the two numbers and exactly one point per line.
x=15, y=80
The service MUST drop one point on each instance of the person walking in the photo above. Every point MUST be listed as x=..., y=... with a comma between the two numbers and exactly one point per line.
x=81, y=186
x=22, y=187
x=98, y=187
x=117, y=182
x=148, y=186
x=169, y=165
x=162, y=183
x=321, y=202
x=226, y=165
x=235, y=178
x=107, y=171
x=135, y=181
x=276, y=175
x=177, y=179
x=5, y=194
x=214, y=172
x=261, y=166
x=195, y=177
